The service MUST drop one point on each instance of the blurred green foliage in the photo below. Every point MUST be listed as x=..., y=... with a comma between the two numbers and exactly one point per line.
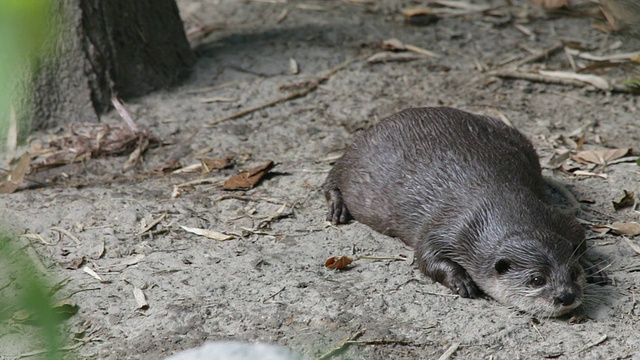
x=25, y=31
x=26, y=292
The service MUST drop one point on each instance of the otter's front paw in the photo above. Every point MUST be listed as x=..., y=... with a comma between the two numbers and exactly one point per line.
x=461, y=284
x=337, y=210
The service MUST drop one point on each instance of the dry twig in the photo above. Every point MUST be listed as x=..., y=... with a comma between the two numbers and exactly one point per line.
x=510, y=74
x=153, y=223
x=535, y=57
x=450, y=351
x=341, y=345
x=311, y=86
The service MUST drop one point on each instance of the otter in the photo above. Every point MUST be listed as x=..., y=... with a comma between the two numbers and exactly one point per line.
x=467, y=193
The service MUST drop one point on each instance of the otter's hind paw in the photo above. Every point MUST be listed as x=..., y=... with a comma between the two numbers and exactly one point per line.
x=337, y=210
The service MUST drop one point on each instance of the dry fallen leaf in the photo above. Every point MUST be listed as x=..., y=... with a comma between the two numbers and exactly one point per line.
x=208, y=233
x=133, y=260
x=628, y=199
x=15, y=177
x=166, y=167
x=249, y=179
x=600, y=157
x=141, y=299
x=90, y=271
x=419, y=16
x=89, y=140
x=217, y=99
x=209, y=164
x=628, y=228
x=597, y=81
x=558, y=159
x=388, y=56
x=621, y=14
x=632, y=244
x=589, y=174
x=338, y=262
x=553, y=4
x=66, y=308
x=73, y=264
x=293, y=66
x=188, y=169
x=22, y=316
x=394, y=44
x=602, y=229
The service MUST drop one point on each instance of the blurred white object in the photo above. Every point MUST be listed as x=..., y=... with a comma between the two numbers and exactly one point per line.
x=236, y=351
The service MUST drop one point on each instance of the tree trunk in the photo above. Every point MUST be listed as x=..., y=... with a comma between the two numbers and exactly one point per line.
x=116, y=47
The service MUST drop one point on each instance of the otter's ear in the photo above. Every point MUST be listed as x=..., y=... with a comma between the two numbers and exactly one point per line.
x=502, y=266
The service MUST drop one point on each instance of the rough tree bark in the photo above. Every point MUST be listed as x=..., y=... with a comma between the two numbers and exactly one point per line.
x=121, y=47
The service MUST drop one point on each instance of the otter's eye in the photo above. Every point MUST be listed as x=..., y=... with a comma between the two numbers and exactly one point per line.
x=538, y=281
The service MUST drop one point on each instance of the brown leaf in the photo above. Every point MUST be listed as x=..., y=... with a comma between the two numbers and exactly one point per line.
x=393, y=44
x=417, y=11
x=73, y=264
x=166, y=167
x=338, y=262
x=248, y=179
x=419, y=16
x=553, y=4
x=602, y=229
x=14, y=179
x=628, y=199
x=209, y=164
x=581, y=141
x=600, y=157
x=629, y=228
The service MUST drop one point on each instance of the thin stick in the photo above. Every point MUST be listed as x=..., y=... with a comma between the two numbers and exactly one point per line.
x=69, y=234
x=40, y=352
x=250, y=198
x=450, y=351
x=341, y=345
x=537, y=56
x=509, y=74
x=274, y=295
x=300, y=93
x=381, y=258
x=154, y=223
x=592, y=344
x=211, y=180
x=124, y=114
x=380, y=342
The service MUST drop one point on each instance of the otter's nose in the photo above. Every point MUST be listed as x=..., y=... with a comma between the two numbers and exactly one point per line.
x=565, y=299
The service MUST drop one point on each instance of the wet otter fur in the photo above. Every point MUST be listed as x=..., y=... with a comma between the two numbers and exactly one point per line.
x=466, y=192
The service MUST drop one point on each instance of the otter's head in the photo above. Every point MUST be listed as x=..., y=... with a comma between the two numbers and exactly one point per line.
x=542, y=277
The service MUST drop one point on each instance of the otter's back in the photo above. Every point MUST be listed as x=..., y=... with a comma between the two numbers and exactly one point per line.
x=408, y=170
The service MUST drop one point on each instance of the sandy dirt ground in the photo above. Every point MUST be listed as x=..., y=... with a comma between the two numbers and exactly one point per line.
x=269, y=282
